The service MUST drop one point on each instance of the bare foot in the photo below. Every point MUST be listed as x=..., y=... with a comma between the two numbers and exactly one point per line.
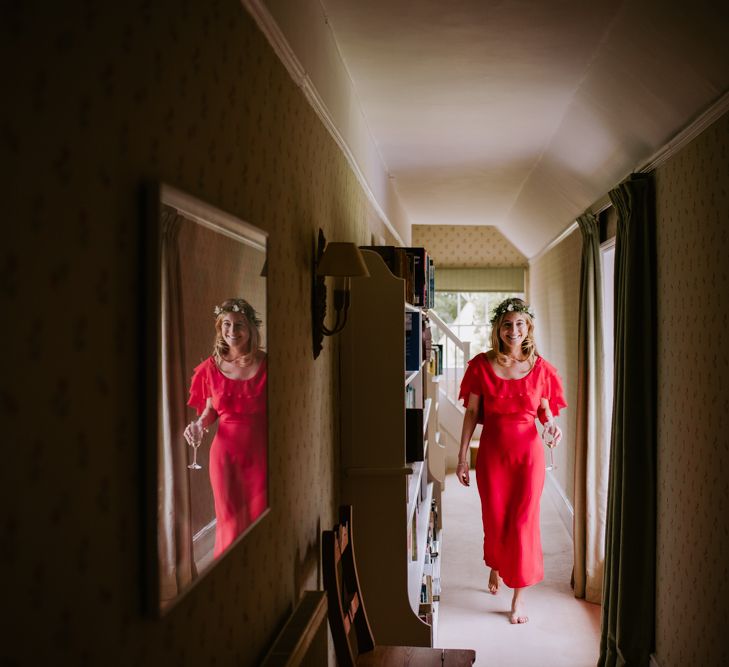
x=494, y=582
x=517, y=614
x=515, y=617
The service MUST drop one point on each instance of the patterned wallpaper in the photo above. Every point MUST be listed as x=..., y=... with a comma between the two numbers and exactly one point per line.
x=554, y=292
x=465, y=246
x=102, y=101
x=693, y=367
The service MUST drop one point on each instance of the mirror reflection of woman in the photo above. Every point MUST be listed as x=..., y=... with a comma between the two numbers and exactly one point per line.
x=505, y=389
x=230, y=387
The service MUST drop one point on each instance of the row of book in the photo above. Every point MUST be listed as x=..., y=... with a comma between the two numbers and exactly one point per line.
x=415, y=267
x=419, y=344
x=430, y=585
x=435, y=365
x=413, y=340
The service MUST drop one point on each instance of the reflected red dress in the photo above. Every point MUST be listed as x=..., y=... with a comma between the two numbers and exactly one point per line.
x=238, y=464
x=510, y=464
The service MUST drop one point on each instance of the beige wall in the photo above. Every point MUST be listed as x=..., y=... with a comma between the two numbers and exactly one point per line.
x=554, y=292
x=190, y=94
x=693, y=370
x=465, y=246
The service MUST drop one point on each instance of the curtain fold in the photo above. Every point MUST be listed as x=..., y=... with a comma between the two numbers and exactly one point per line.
x=628, y=613
x=177, y=565
x=592, y=446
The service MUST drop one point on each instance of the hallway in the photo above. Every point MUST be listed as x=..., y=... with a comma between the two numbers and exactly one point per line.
x=562, y=631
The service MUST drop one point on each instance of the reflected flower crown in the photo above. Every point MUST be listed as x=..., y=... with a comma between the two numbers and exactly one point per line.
x=511, y=306
x=238, y=306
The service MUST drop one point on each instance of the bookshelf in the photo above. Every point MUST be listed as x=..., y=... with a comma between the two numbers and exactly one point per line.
x=392, y=462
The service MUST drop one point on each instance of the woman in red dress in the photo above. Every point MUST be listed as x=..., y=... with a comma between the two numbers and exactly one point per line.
x=506, y=389
x=230, y=387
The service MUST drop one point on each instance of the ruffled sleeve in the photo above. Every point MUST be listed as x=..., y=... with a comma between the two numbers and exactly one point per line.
x=200, y=389
x=472, y=382
x=551, y=390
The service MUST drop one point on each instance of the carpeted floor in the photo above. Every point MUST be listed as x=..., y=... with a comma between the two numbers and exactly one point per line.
x=562, y=631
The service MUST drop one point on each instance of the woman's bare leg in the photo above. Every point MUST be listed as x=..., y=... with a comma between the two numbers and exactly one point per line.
x=493, y=581
x=517, y=614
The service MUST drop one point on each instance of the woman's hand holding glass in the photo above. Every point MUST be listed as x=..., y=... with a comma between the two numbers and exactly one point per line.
x=194, y=435
x=551, y=435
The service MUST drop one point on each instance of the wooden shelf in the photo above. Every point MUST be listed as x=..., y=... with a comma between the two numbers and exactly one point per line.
x=415, y=568
x=391, y=498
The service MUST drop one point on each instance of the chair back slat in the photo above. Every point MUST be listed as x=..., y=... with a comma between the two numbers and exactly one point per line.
x=353, y=606
x=346, y=609
x=345, y=603
x=365, y=640
x=343, y=537
x=339, y=622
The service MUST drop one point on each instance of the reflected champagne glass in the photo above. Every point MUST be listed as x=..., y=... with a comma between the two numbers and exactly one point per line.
x=549, y=441
x=195, y=440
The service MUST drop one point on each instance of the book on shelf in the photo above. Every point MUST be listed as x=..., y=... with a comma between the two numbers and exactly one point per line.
x=428, y=564
x=435, y=366
x=419, y=264
x=426, y=590
x=427, y=339
x=413, y=341
x=436, y=589
x=410, y=396
x=431, y=283
x=414, y=537
x=414, y=441
x=415, y=266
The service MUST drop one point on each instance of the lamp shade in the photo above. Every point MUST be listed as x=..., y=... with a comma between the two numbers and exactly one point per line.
x=342, y=260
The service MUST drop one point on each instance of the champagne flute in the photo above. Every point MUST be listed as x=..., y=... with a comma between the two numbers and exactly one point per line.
x=194, y=439
x=549, y=441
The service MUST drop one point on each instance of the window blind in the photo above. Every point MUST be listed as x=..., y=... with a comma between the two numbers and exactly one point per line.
x=502, y=279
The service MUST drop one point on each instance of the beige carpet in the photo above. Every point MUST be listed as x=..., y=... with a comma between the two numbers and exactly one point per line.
x=562, y=631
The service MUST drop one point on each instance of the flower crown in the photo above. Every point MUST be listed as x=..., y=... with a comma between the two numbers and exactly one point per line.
x=238, y=306
x=511, y=306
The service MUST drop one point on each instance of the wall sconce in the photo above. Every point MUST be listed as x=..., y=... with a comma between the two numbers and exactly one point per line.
x=342, y=261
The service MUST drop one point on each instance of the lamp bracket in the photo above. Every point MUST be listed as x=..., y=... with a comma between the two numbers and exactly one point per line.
x=318, y=298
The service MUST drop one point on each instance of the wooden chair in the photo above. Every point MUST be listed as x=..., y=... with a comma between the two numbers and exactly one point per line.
x=346, y=610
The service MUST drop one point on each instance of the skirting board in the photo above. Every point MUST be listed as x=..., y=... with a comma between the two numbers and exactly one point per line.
x=561, y=502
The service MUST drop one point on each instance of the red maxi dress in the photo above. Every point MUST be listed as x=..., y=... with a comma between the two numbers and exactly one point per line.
x=238, y=463
x=510, y=464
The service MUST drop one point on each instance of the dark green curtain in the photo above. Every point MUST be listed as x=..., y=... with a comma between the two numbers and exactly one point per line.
x=592, y=438
x=628, y=613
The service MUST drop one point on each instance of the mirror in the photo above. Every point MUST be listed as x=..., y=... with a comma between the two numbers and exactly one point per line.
x=207, y=408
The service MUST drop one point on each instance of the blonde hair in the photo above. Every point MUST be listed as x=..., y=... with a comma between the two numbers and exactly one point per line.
x=220, y=347
x=528, y=346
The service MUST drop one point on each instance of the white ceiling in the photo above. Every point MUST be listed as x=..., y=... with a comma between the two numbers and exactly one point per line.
x=523, y=113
